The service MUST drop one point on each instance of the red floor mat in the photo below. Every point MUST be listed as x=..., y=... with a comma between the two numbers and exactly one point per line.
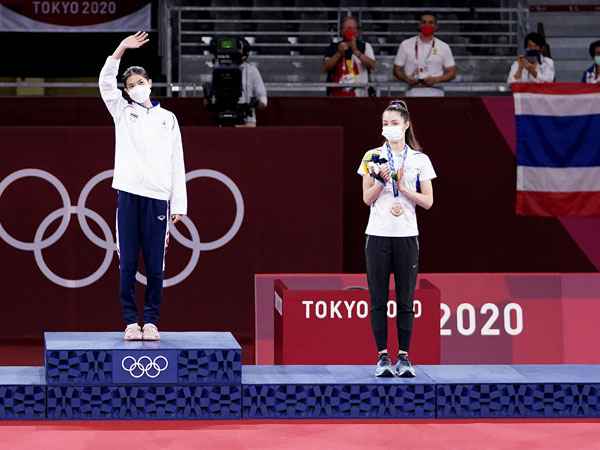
x=284, y=435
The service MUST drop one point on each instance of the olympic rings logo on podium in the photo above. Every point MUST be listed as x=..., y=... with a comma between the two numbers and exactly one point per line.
x=151, y=369
x=107, y=243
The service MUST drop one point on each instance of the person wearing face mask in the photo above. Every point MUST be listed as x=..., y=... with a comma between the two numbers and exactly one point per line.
x=532, y=67
x=396, y=178
x=424, y=61
x=149, y=177
x=592, y=75
x=348, y=61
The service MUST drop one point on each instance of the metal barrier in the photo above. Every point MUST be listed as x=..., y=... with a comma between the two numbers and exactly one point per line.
x=197, y=89
x=186, y=31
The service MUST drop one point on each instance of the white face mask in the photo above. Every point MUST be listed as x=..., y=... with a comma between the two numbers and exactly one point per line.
x=393, y=134
x=140, y=93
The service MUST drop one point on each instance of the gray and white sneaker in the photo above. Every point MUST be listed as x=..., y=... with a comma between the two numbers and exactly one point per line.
x=133, y=332
x=384, y=366
x=403, y=367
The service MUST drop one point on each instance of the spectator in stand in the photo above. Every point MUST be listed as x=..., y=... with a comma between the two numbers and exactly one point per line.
x=423, y=61
x=592, y=75
x=348, y=61
x=532, y=67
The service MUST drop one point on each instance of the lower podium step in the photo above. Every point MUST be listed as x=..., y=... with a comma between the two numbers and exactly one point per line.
x=318, y=392
x=22, y=393
x=517, y=391
x=474, y=391
x=335, y=392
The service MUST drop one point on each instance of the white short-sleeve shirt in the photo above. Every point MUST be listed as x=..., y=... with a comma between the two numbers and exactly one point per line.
x=428, y=59
x=417, y=168
x=545, y=72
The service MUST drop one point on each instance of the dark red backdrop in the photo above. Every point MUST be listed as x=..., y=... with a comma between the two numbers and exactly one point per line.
x=303, y=198
x=472, y=226
x=292, y=222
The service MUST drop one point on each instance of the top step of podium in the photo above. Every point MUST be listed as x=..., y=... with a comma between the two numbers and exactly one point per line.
x=114, y=341
x=186, y=358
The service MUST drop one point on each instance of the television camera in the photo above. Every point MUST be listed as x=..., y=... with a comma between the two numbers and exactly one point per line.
x=225, y=89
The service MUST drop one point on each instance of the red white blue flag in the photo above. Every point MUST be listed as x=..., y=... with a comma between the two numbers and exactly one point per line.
x=558, y=149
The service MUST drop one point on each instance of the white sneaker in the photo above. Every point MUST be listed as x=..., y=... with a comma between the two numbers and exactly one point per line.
x=133, y=332
x=150, y=332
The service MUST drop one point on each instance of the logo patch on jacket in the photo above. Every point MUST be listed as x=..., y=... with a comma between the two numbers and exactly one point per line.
x=161, y=218
x=133, y=116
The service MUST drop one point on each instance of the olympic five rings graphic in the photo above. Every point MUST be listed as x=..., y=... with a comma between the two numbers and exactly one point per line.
x=137, y=370
x=108, y=243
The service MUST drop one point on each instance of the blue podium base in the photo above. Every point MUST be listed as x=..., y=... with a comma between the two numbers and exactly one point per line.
x=485, y=391
x=22, y=393
x=178, y=358
x=200, y=376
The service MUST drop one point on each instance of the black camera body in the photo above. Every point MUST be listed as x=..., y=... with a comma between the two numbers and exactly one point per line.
x=225, y=89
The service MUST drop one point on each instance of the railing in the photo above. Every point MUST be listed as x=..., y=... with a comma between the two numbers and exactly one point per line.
x=197, y=89
x=304, y=30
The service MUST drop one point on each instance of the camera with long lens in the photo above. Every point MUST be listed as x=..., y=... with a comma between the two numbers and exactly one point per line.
x=225, y=89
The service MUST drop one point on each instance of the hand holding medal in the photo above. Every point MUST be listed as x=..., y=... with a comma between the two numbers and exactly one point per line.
x=377, y=167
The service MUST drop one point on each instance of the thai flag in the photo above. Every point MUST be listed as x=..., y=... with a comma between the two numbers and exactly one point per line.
x=558, y=149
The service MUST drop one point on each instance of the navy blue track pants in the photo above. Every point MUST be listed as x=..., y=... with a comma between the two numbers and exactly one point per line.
x=142, y=222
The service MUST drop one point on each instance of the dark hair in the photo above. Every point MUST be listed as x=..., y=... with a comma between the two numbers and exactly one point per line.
x=134, y=69
x=428, y=13
x=593, y=46
x=536, y=38
x=400, y=107
x=349, y=18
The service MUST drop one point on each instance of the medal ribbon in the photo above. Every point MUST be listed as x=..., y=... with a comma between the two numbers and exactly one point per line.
x=391, y=162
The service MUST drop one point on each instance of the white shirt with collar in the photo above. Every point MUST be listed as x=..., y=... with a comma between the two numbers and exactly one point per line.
x=417, y=167
x=429, y=59
x=545, y=72
x=148, y=149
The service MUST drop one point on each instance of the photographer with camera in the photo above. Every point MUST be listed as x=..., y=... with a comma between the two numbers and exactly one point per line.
x=237, y=88
x=532, y=67
x=424, y=61
x=254, y=92
x=348, y=61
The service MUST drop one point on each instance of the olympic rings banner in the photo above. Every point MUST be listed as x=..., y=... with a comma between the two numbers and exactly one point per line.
x=255, y=206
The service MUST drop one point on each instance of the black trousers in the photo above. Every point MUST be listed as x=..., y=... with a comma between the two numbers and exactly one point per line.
x=385, y=255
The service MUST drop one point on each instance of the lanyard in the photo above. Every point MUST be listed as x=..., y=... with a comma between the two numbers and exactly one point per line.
x=351, y=68
x=417, y=54
x=391, y=163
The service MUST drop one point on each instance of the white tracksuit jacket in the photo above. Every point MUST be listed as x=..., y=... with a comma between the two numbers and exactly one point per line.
x=148, y=150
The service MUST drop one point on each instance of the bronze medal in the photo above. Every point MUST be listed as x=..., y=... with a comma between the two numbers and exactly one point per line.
x=397, y=209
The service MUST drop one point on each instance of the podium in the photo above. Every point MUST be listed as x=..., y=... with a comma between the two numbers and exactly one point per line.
x=98, y=376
